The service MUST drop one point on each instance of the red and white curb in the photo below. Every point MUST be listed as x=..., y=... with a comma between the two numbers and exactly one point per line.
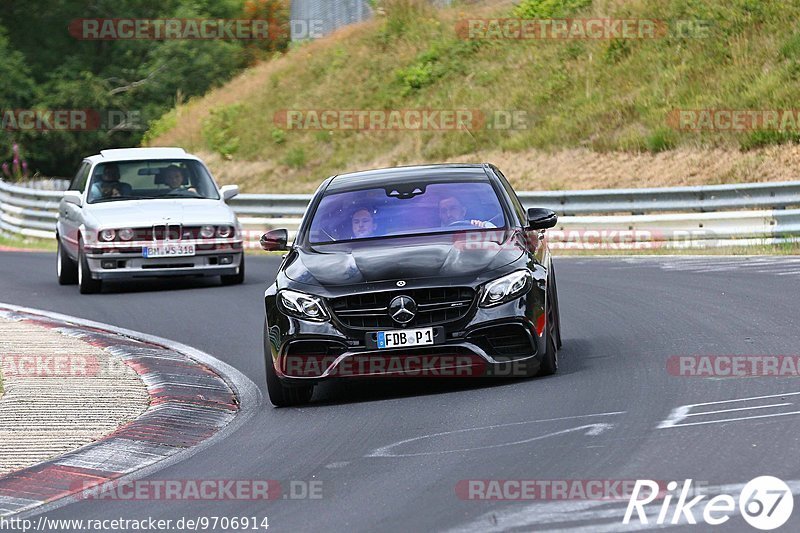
x=195, y=400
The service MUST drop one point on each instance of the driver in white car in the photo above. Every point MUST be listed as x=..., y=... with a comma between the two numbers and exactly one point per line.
x=173, y=178
x=453, y=213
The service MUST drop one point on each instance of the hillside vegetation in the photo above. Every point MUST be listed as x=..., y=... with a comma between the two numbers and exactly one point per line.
x=597, y=101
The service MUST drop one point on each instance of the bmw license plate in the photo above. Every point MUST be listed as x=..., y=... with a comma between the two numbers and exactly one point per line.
x=168, y=250
x=405, y=337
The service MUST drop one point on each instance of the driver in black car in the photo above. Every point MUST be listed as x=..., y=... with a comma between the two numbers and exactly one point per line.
x=453, y=213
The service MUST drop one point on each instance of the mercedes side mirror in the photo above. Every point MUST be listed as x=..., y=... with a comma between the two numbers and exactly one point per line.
x=541, y=218
x=275, y=240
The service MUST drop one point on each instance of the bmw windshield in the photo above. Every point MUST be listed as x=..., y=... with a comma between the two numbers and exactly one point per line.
x=151, y=179
x=406, y=209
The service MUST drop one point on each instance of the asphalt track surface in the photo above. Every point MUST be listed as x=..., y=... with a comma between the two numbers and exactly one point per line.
x=390, y=454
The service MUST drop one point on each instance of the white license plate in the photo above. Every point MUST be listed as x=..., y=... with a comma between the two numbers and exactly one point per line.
x=405, y=337
x=168, y=250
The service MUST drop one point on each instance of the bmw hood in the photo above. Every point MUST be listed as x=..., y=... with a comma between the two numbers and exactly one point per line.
x=143, y=213
x=455, y=255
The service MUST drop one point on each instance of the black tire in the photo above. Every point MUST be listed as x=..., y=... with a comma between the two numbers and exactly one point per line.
x=285, y=396
x=549, y=363
x=86, y=284
x=557, y=308
x=66, y=268
x=235, y=279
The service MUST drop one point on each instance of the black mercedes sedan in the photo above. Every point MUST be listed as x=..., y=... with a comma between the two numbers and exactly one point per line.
x=422, y=271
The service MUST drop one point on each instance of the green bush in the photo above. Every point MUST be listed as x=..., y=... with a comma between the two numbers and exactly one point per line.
x=761, y=138
x=278, y=136
x=440, y=59
x=791, y=48
x=218, y=130
x=401, y=16
x=417, y=76
x=536, y=9
x=617, y=50
x=661, y=140
x=295, y=157
x=160, y=126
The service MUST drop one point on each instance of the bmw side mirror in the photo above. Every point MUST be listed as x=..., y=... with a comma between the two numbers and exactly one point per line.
x=229, y=191
x=541, y=218
x=73, y=197
x=275, y=240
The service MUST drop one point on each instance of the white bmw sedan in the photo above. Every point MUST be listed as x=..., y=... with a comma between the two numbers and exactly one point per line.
x=146, y=212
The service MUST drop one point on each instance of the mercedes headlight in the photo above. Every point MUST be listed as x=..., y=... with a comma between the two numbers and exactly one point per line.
x=300, y=305
x=507, y=288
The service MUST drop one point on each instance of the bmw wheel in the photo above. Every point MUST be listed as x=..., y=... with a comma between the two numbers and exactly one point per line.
x=86, y=284
x=66, y=268
x=235, y=279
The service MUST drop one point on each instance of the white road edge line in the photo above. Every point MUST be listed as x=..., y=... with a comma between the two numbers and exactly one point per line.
x=739, y=409
x=745, y=399
x=733, y=419
x=250, y=397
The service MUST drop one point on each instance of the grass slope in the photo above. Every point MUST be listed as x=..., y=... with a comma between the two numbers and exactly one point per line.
x=600, y=96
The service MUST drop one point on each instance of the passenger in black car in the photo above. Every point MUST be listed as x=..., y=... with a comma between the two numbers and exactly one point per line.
x=363, y=222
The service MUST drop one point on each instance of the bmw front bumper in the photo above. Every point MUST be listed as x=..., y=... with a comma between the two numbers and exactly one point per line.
x=119, y=265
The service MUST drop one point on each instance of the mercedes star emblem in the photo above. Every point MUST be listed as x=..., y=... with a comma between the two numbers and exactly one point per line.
x=402, y=309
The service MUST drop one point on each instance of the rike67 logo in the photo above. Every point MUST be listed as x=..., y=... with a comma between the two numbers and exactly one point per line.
x=765, y=503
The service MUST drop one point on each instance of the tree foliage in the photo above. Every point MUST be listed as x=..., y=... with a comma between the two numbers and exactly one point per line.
x=44, y=66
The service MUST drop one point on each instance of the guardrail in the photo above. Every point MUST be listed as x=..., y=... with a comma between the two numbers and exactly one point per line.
x=29, y=212
x=677, y=216
x=704, y=198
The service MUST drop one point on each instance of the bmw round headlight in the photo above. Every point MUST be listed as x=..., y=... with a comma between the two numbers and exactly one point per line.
x=507, y=288
x=126, y=234
x=224, y=232
x=207, y=232
x=108, y=235
x=300, y=305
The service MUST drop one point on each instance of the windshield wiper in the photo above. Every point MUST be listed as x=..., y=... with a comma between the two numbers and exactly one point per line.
x=182, y=194
x=115, y=198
